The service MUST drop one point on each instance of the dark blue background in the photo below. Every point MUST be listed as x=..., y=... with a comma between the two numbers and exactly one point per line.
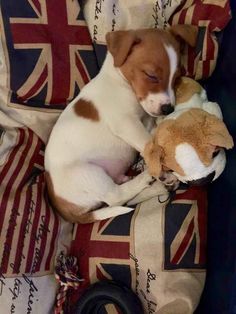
x=219, y=296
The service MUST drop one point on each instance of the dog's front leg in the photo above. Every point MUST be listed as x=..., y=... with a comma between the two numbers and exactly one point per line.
x=157, y=188
x=132, y=131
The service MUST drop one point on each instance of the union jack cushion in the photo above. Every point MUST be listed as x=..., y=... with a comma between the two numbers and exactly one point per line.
x=211, y=16
x=29, y=228
x=46, y=58
x=156, y=250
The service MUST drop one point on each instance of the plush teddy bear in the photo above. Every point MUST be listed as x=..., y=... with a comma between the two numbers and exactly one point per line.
x=189, y=143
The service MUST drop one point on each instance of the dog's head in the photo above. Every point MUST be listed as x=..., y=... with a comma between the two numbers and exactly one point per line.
x=149, y=59
x=191, y=146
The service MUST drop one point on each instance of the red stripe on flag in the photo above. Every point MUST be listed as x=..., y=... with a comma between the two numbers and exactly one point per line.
x=37, y=5
x=82, y=70
x=26, y=210
x=40, y=157
x=17, y=150
x=53, y=240
x=193, y=193
x=13, y=154
x=101, y=224
x=42, y=78
x=17, y=195
x=191, y=61
x=177, y=10
x=99, y=274
x=182, y=16
x=210, y=48
x=99, y=248
x=184, y=243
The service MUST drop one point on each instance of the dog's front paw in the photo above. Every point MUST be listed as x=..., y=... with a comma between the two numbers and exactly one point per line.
x=170, y=181
x=153, y=190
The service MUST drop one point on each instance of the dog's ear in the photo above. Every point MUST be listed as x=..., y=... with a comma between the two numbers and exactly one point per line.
x=153, y=155
x=217, y=133
x=120, y=43
x=186, y=33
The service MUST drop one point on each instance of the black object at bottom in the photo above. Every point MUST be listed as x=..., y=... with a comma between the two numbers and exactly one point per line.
x=108, y=292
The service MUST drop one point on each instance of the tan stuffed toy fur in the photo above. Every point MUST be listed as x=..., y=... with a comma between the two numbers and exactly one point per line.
x=190, y=142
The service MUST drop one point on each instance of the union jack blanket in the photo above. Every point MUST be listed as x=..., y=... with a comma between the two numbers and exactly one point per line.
x=48, y=52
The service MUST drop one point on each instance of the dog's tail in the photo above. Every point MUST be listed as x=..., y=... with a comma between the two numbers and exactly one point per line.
x=103, y=213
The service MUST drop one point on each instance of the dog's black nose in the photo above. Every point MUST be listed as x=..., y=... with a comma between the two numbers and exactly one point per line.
x=166, y=109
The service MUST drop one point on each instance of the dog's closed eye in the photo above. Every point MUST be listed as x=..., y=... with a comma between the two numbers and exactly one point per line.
x=152, y=77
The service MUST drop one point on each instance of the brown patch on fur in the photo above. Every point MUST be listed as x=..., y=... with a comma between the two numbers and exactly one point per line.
x=142, y=51
x=86, y=109
x=69, y=211
x=149, y=56
x=185, y=88
x=196, y=127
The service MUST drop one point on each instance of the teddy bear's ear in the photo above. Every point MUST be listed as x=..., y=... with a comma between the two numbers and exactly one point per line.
x=153, y=155
x=217, y=133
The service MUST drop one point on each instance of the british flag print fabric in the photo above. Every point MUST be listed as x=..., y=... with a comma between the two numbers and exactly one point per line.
x=49, y=52
x=28, y=226
x=156, y=247
x=185, y=239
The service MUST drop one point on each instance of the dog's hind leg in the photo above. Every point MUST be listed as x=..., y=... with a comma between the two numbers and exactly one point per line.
x=121, y=194
x=88, y=186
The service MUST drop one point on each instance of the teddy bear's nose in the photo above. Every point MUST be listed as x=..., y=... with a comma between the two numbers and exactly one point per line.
x=166, y=109
x=203, y=181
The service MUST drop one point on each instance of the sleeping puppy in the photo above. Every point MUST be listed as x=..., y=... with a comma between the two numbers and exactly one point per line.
x=97, y=136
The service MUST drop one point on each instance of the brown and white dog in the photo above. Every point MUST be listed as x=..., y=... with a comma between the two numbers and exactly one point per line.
x=96, y=138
